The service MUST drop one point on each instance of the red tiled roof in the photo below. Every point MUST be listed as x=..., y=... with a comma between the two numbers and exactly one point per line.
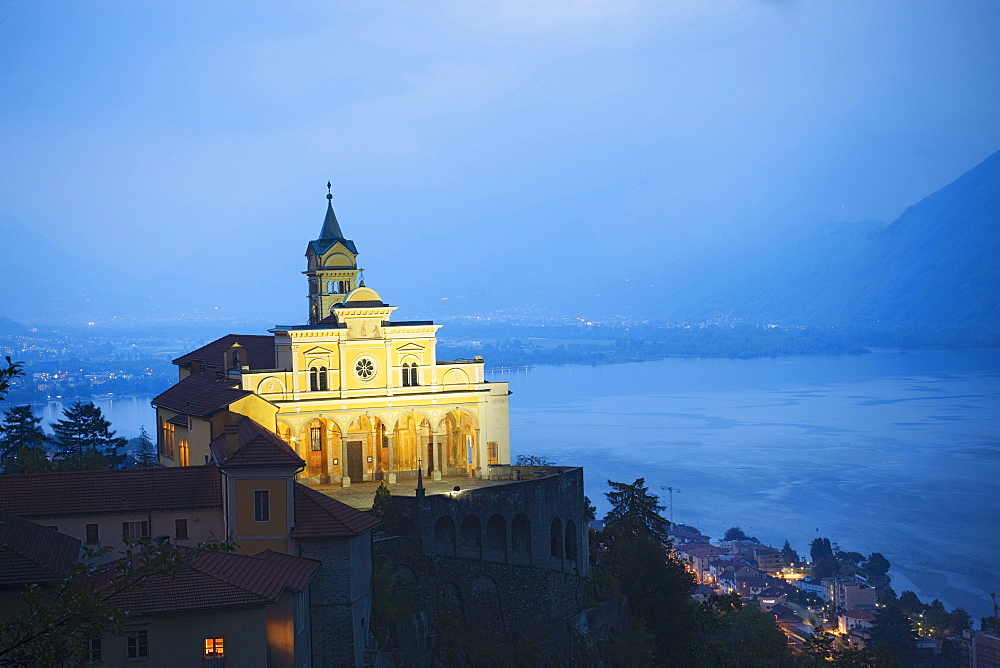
x=864, y=615
x=256, y=446
x=31, y=553
x=317, y=516
x=259, y=347
x=202, y=393
x=124, y=491
x=220, y=579
x=699, y=550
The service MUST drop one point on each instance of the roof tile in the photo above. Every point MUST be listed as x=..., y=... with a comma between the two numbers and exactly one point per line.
x=317, y=515
x=202, y=393
x=256, y=446
x=118, y=491
x=259, y=347
x=32, y=553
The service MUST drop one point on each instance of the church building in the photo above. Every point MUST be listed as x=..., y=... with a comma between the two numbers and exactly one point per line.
x=357, y=395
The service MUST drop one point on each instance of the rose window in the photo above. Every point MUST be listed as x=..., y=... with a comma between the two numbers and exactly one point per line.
x=365, y=368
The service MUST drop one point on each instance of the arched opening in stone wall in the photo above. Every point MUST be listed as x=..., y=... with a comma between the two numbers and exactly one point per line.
x=471, y=541
x=412, y=432
x=571, y=540
x=460, y=443
x=317, y=438
x=520, y=538
x=365, y=451
x=485, y=606
x=496, y=537
x=449, y=601
x=556, y=539
x=444, y=536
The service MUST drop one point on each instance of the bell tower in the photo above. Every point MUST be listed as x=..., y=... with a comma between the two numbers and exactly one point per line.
x=332, y=268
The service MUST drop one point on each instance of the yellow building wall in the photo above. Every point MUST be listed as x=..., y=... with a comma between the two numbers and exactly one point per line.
x=246, y=526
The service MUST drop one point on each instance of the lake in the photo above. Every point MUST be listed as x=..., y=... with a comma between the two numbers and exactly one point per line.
x=886, y=452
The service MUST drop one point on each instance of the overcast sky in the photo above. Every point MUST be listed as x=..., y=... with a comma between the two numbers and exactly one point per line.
x=467, y=141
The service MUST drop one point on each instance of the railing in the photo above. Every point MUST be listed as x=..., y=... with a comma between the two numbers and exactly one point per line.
x=215, y=662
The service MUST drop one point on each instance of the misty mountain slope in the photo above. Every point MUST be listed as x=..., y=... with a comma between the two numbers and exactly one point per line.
x=937, y=265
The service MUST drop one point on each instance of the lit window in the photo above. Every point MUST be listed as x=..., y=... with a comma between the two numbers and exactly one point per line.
x=316, y=439
x=184, y=453
x=167, y=440
x=214, y=648
x=133, y=530
x=262, y=505
x=94, y=650
x=138, y=644
x=93, y=534
x=180, y=529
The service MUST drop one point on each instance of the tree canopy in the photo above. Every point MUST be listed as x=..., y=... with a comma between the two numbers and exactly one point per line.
x=7, y=374
x=86, y=441
x=634, y=510
x=22, y=442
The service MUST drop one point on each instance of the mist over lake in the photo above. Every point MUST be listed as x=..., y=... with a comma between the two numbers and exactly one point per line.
x=887, y=452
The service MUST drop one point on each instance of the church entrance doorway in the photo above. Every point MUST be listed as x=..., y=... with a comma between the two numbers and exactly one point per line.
x=355, y=461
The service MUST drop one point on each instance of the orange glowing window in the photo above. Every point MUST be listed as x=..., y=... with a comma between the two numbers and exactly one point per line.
x=214, y=648
x=184, y=452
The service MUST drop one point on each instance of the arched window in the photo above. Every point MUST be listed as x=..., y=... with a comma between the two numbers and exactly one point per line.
x=520, y=534
x=413, y=374
x=322, y=378
x=406, y=375
x=313, y=379
x=330, y=289
x=571, y=540
x=556, y=543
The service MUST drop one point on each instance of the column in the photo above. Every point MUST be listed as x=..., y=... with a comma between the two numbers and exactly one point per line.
x=477, y=452
x=345, y=479
x=436, y=447
x=330, y=446
x=390, y=437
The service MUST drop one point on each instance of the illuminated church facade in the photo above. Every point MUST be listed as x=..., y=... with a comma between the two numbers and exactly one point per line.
x=357, y=395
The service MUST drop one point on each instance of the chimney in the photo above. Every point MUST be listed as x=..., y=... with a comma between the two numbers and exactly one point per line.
x=231, y=432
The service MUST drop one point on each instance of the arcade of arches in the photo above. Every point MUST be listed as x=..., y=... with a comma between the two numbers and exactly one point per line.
x=372, y=447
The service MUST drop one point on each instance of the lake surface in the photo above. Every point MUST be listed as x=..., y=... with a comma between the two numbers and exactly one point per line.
x=890, y=453
x=886, y=452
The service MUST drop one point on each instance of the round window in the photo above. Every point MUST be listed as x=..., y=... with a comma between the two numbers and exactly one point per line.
x=365, y=368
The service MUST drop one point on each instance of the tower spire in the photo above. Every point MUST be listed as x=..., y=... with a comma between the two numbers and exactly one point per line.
x=331, y=228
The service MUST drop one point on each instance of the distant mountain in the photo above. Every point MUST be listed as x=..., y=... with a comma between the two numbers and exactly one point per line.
x=938, y=265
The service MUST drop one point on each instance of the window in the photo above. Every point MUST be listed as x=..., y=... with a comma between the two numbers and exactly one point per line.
x=494, y=452
x=316, y=439
x=133, y=530
x=93, y=534
x=262, y=505
x=406, y=375
x=365, y=368
x=138, y=644
x=94, y=650
x=167, y=440
x=322, y=379
x=214, y=648
x=313, y=379
x=180, y=529
x=184, y=453
x=413, y=374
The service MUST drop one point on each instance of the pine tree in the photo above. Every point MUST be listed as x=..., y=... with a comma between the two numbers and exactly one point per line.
x=7, y=374
x=86, y=441
x=893, y=629
x=145, y=453
x=789, y=555
x=634, y=510
x=22, y=442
